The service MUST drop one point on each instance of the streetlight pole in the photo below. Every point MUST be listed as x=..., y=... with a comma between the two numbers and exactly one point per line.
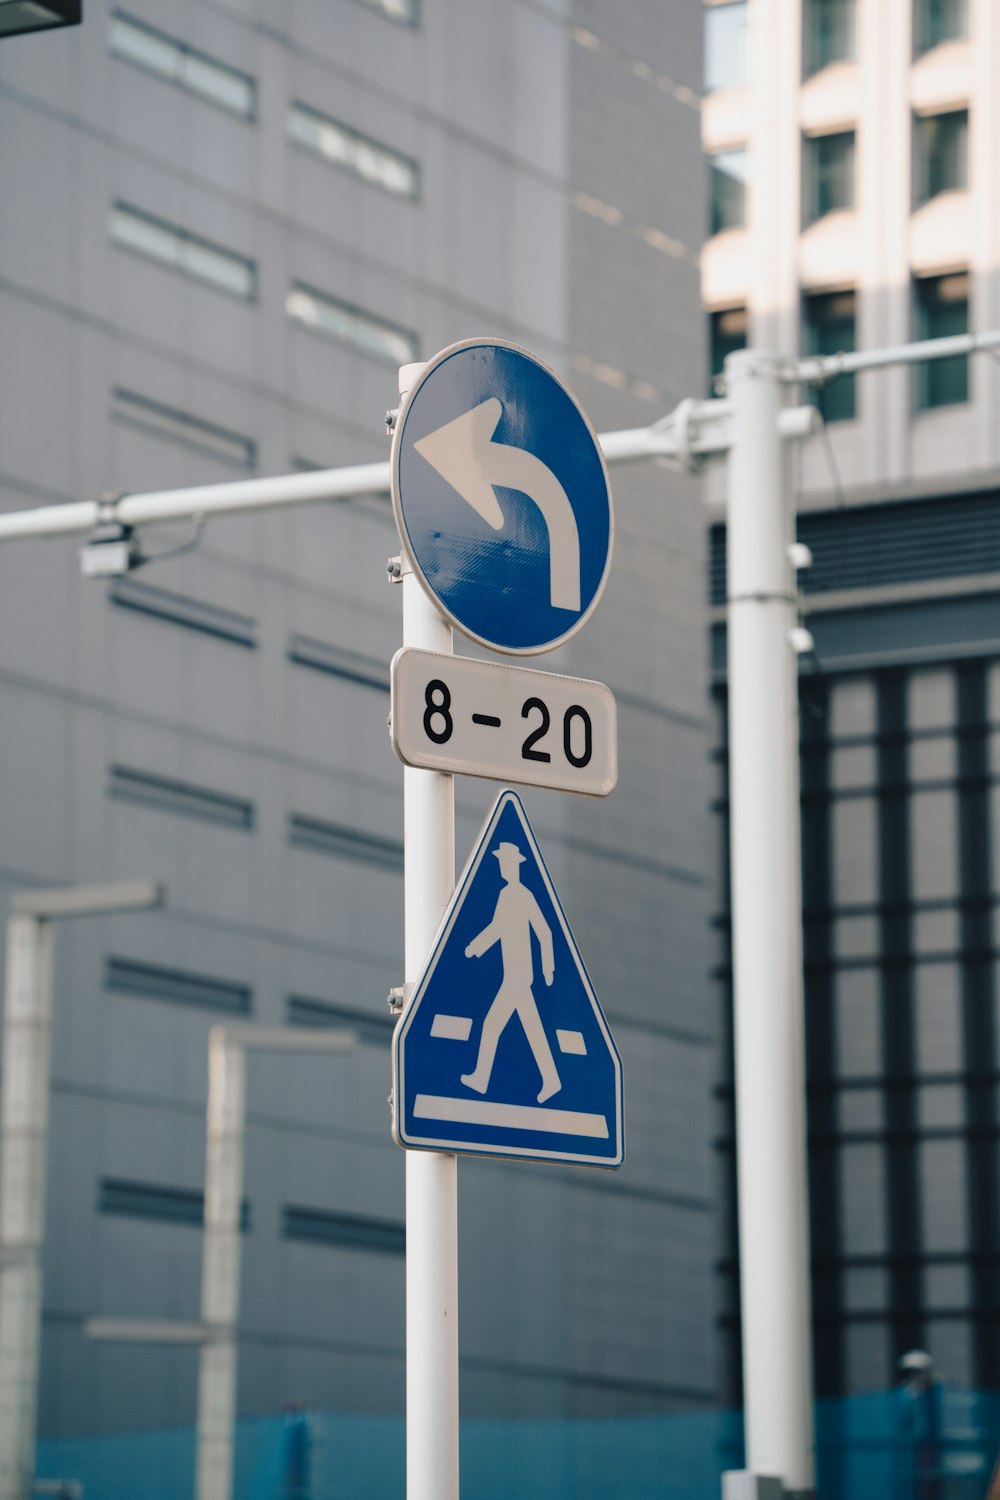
x=767, y=933
x=24, y=1124
x=222, y=1251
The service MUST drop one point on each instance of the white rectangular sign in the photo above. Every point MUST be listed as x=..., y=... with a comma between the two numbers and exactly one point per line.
x=484, y=718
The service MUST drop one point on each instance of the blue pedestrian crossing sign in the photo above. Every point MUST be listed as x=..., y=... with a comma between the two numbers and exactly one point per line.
x=502, y=497
x=503, y=1049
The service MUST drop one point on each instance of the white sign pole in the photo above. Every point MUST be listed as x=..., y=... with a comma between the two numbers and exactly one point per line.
x=220, y=1266
x=24, y=1135
x=767, y=934
x=431, y=1177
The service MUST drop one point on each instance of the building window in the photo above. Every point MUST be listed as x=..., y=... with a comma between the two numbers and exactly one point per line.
x=942, y=311
x=180, y=609
x=325, y=314
x=830, y=329
x=728, y=190
x=181, y=797
x=829, y=162
x=135, y=42
x=148, y=1200
x=830, y=32
x=362, y=156
x=939, y=21
x=941, y=155
x=727, y=333
x=407, y=11
x=130, y=976
x=374, y=1029
x=347, y=1231
x=344, y=842
x=157, y=419
x=725, y=46
x=339, y=661
x=172, y=246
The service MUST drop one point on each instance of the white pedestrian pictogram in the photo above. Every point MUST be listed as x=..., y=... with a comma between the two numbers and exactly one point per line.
x=517, y=915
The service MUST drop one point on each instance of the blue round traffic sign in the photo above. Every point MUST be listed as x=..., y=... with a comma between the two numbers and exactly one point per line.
x=502, y=497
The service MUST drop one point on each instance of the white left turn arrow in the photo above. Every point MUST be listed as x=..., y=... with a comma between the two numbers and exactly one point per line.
x=464, y=454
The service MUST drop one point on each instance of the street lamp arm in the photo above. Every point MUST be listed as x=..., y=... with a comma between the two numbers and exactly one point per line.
x=703, y=421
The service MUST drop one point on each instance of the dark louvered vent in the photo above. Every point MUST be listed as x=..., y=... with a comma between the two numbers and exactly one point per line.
x=344, y=842
x=349, y=1231
x=128, y=976
x=149, y=1200
x=871, y=546
x=178, y=609
x=372, y=1026
x=166, y=795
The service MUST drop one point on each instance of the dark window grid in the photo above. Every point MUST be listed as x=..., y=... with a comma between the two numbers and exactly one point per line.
x=148, y=1200
x=971, y=781
x=907, y=1137
x=177, y=986
x=860, y=1315
x=345, y=1231
x=885, y=1083
x=164, y=794
x=343, y=842
x=184, y=49
x=873, y=1260
x=910, y=905
x=897, y=1019
x=974, y=782
x=979, y=1038
x=182, y=428
x=371, y=1028
x=338, y=661
x=870, y=741
x=196, y=241
x=830, y=173
x=178, y=609
x=820, y=1015
x=949, y=956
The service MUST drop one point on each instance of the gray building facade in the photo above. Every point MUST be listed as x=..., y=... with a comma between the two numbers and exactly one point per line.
x=223, y=224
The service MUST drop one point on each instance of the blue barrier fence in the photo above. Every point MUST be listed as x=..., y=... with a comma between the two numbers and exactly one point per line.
x=891, y=1445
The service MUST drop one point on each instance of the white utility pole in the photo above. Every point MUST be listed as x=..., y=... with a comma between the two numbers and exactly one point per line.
x=222, y=1249
x=431, y=1176
x=767, y=932
x=24, y=1127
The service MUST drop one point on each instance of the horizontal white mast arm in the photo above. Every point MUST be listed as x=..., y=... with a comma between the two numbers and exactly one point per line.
x=245, y=495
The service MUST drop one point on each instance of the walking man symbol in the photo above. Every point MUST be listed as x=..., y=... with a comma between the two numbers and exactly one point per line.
x=517, y=915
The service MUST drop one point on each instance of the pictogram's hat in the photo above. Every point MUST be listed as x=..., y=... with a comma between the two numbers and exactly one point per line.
x=509, y=849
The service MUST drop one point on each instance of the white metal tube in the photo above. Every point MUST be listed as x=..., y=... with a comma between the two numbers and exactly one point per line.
x=25, y=1120
x=220, y=1275
x=431, y=1177
x=81, y=517
x=825, y=366
x=767, y=951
